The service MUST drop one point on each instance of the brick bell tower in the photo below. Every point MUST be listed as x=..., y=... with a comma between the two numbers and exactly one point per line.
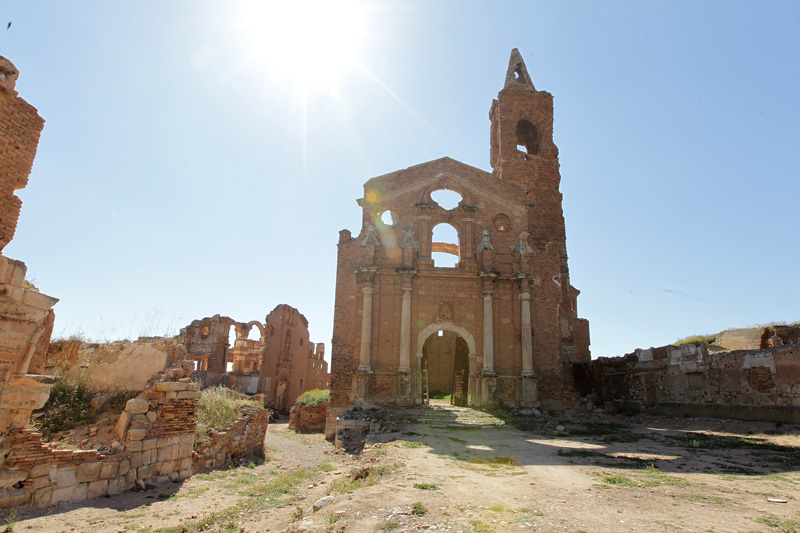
x=522, y=150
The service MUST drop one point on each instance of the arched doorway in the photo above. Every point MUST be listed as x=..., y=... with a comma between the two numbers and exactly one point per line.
x=446, y=358
x=447, y=352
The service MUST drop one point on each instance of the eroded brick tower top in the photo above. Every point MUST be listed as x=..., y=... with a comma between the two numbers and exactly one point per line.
x=523, y=151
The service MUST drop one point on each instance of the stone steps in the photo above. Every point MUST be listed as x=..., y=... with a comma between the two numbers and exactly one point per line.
x=452, y=417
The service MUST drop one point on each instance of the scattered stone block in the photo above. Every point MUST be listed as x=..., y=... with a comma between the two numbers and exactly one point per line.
x=137, y=406
x=136, y=434
x=322, y=502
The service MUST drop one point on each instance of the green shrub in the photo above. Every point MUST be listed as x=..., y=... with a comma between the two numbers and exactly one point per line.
x=708, y=339
x=120, y=398
x=67, y=406
x=313, y=398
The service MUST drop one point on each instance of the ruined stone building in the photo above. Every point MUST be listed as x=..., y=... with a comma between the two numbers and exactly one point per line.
x=762, y=383
x=281, y=364
x=26, y=315
x=501, y=324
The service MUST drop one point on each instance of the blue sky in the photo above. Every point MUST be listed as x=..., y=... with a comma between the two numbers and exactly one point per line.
x=197, y=159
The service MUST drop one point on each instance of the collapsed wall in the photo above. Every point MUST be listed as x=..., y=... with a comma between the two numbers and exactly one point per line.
x=758, y=337
x=687, y=380
x=116, y=366
x=282, y=364
x=156, y=431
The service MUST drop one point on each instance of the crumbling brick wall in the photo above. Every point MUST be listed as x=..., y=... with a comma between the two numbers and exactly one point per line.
x=307, y=419
x=206, y=340
x=20, y=127
x=292, y=364
x=26, y=315
x=689, y=374
x=241, y=440
x=156, y=431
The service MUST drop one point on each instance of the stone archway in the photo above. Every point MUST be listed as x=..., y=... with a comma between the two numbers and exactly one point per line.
x=468, y=366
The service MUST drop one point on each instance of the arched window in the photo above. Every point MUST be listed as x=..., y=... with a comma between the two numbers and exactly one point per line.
x=444, y=246
x=232, y=336
x=527, y=138
x=254, y=334
x=446, y=198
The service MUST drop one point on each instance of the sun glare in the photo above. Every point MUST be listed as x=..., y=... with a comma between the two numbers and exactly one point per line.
x=311, y=42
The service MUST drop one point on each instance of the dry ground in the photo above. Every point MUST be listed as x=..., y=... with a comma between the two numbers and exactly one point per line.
x=582, y=473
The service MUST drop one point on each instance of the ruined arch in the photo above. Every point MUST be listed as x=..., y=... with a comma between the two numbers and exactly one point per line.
x=445, y=240
x=451, y=185
x=448, y=353
x=260, y=327
x=446, y=326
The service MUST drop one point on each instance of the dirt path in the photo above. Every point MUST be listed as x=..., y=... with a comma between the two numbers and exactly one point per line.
x=570, y=474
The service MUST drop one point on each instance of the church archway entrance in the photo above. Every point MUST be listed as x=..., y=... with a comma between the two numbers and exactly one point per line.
x=445, y=356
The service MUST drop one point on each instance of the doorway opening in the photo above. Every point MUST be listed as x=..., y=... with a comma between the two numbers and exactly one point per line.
x=445, y=356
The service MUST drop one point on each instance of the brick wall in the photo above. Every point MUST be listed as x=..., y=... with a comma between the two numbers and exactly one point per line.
x=20, y=127
x=243, y=439
x=156, y=431
x=307, y=419
x=689, y=374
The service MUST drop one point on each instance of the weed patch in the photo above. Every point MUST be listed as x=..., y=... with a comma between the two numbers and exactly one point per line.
x=788, y=455
x=620, y=481
x=784, y=526
x=418, y=509
x=314, y=397
x=345, y=485
x=409, y=444
x=217, y=408
x=510, y=461
x=608, y=432
x=67, y=406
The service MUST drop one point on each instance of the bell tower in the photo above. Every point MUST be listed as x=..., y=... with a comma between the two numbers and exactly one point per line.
x=522, y=149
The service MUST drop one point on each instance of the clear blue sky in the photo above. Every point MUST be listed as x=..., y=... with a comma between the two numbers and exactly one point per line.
x=200, y=157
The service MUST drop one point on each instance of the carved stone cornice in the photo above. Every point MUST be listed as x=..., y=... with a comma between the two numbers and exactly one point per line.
x=365, y=274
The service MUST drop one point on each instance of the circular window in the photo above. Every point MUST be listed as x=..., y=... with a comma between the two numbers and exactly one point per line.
x=502, y=222
x=388, y=218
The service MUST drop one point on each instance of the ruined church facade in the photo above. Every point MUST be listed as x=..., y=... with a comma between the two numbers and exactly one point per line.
x=501, y=325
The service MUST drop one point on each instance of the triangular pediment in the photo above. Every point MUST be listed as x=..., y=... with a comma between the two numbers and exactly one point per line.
x=441, y=173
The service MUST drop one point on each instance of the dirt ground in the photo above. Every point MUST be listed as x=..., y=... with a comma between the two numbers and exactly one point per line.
x=589, y=472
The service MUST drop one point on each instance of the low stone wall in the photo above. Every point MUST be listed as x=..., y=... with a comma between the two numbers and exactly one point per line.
x=156, y=432
x=308, y=419
x=241, y=440
x=688, y=375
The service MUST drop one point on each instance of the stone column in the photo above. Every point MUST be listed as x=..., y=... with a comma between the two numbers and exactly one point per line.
x=527, y=341
x=366, y=330
x=405, y=332
x=423, y=225
x=488, y=334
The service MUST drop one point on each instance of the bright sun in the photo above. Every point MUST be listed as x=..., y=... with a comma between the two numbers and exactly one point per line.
x=312, y=42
